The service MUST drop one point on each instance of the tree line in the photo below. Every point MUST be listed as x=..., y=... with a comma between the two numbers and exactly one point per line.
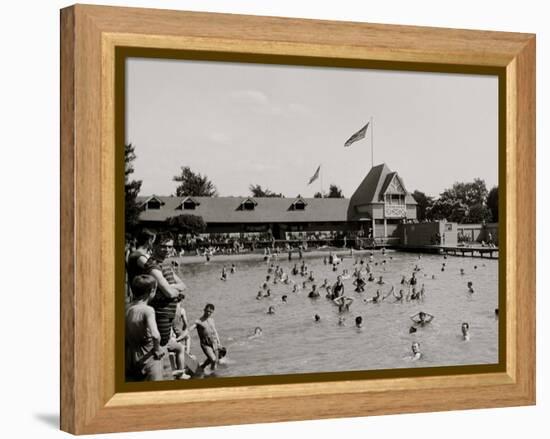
x=469, y=202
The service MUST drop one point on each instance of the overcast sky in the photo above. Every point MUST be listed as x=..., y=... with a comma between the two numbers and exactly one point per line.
x=243, y=124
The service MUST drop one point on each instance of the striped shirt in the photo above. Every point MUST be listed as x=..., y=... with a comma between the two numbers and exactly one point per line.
x=165, y=307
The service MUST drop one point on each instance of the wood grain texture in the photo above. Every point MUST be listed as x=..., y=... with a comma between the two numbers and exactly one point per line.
x=90, y=35
x=67, y=252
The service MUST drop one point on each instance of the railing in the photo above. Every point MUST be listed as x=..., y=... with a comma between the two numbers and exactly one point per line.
x=395, y=211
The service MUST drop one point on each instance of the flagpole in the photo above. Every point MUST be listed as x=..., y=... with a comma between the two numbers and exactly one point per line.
x=371, y=142
x=321, y=175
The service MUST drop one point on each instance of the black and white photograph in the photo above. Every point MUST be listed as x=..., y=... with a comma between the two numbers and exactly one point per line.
x=287, y=219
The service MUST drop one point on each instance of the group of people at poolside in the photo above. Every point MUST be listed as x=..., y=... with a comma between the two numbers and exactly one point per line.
x=409, y=291
x=156, y=324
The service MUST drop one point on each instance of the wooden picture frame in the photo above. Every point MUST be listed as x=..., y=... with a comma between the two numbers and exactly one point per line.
x=90, y=37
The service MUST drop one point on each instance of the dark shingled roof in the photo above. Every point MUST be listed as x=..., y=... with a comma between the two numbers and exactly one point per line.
x=279, y=210
x=227, y=209
x=374, y=184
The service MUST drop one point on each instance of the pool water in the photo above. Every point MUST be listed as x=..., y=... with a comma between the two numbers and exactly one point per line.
x=293, y=342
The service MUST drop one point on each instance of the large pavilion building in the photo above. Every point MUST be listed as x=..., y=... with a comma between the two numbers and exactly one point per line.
x=375, y=209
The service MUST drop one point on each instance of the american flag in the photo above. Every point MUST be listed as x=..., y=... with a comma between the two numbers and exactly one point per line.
x=357, y=136
x=315, y=176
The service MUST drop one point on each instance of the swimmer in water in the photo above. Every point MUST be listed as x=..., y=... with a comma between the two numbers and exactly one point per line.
x=224, y=274
x=412, y=295
x=341, y=321
x=462, y=271
x=359, y=322
x=343, y=303
x=284, y=298
x=338, y=288
x=398, y=297
x=422, y=292
x=470, y=287
x=268, y=293
x=317, y=317
x=371, y=278
x=295, y=288
x=233, y=269
x=375, y=299
x=381, y=281
x=416, y=354
x=257, y=332
x=313, y=294
x=422, y=318
x=259, y=296
x=295, y=270
x=359, y=284
x=465, y=328
x=271, y=310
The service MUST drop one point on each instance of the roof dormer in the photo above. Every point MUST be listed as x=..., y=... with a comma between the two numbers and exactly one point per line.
x=248, y=204
x=298, y=204
x=189, y=204
x=153, y=203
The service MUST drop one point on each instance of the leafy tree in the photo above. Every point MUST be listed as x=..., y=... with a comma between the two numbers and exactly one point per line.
x=478, y=214
x=424, y=202
x=131, y=189
x=318, y=195
x=194, y=184
x=334, y=192
x=451, y=210
x=469, y=194
x=186, y=223
x=258, y=191
x=492, y=203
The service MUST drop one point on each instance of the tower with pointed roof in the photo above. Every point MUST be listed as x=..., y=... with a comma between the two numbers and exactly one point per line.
x=381, y=201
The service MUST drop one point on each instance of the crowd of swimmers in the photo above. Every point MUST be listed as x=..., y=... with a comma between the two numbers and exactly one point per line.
x=156, y=323
x=301, y=278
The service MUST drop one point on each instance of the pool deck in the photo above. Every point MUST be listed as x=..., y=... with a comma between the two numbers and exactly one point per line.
x=472, y=251
x=456, y=250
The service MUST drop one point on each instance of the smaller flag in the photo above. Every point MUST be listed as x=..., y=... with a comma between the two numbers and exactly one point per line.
x=315, y=176
x=357, y=136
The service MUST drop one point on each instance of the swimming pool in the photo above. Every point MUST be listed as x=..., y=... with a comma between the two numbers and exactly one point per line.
x=293, y=342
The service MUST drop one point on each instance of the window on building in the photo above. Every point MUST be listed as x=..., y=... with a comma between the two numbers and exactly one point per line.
x=154, y=204
x=189, y=205
x=247, y=205
x=299, y=204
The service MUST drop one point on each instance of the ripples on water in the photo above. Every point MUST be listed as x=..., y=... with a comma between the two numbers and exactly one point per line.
x=292, y=342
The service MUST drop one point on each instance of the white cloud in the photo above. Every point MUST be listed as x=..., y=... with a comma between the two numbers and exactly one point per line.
x=254, y=97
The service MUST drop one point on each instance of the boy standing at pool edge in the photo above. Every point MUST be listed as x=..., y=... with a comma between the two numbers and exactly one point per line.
x=208, y=336
x=142, y=341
